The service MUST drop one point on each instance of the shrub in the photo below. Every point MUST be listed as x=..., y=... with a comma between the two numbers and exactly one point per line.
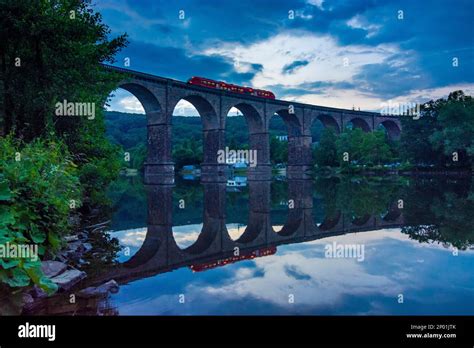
x=38, y=187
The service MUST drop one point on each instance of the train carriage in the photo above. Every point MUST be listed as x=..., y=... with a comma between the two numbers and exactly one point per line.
x=208, y=83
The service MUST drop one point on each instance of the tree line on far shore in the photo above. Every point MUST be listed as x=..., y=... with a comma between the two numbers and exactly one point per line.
x=441, y=138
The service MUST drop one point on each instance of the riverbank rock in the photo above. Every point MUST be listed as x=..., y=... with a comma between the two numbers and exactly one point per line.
x=28, y=300
x=53, y=268
x=38, y=293
x=74, y=251
x=68, y=279
x=102, y=290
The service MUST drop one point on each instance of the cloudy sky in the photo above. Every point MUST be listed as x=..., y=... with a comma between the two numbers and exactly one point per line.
x=339, y=53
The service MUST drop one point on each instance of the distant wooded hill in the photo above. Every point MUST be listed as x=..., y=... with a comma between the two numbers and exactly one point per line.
x=129, y=130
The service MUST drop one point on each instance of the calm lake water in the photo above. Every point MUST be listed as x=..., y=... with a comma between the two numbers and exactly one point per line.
x=346, y=246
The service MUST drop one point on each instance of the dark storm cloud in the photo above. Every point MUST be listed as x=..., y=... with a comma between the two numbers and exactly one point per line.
x=429, y=36
x=239, y=21
x=435, y=32
x=288, y=69
x=388, y=82
x=176, y=63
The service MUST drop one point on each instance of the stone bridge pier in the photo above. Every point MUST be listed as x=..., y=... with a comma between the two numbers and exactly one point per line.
x=300, y=157
x=159, y=228
x=298, y=129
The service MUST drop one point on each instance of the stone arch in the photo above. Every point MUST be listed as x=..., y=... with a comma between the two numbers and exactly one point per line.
x=359, y=122
x=159, y=167
x=150, y=103
x=361, y=220
x=328, y=121
x=258, y=135
x=212, y=132
x=294, y=221
x=392, y=215
x=259, y=213
x=252, y=116
x=206, y=110
x=255, y=228
x=291, y=129
x=159, y=224
x=330, y=222
x=300, y=198
x=207, y=236
x=292, y=122
x=153, y=242
x=213, y=222
x=392, y=128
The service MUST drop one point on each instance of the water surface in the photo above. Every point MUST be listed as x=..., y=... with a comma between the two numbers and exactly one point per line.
x=261, y=248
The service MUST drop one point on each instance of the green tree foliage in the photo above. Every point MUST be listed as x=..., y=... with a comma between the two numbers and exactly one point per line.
x=128, y=199
x=415, y=145
x=278, y=150
x=38, y=190
x=440, y=212
x=125, y=129
x=445, y=126
x=356, y=197
x=325, y=154
x=187, y=152
x=363, y=148
x=237, y=134
x=138, y=156
x=455, y=132
x=50, y=51
x=375, y=149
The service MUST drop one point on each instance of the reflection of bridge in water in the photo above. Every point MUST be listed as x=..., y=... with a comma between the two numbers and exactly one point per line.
x=160, y=252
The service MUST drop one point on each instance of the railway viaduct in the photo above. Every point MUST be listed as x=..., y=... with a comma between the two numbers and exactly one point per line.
x=159, y=96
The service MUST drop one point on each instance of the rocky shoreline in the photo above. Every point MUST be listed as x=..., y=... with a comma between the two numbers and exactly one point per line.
x=65, y=270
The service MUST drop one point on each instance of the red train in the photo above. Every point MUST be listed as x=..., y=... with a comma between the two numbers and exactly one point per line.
x=201, y=81
x=219, y=263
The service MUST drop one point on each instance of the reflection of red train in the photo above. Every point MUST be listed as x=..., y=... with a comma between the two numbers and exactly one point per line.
x=201, y=81
x=257, y=253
